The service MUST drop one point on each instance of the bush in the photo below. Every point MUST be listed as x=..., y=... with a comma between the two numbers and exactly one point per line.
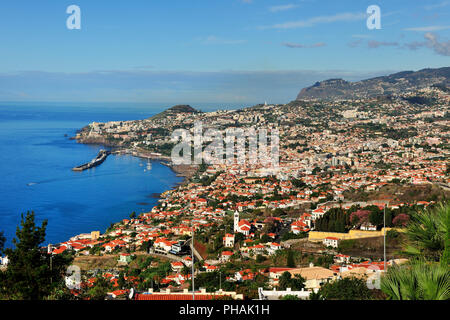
x=346, y=289
x=290, y=297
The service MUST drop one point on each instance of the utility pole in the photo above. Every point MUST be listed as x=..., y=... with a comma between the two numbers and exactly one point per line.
x=384, y=236
x=220, y=280
x=192, y=253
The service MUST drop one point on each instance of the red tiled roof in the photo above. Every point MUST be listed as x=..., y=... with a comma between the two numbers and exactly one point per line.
x=172, y=297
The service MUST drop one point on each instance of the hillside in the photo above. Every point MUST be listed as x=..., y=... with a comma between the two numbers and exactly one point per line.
x=385, y=85
x=173, y=111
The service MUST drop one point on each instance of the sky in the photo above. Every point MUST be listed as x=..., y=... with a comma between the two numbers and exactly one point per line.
x=230, y=51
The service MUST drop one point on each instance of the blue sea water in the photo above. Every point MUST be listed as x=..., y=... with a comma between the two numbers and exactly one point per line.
x=35, y=171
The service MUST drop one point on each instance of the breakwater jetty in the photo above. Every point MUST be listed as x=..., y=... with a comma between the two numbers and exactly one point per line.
x=102, y=155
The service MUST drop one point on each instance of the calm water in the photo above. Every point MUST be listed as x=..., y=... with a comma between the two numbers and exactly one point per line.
x=35, y=171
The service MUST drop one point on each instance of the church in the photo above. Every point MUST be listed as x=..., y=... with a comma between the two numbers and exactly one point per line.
x=241, y=226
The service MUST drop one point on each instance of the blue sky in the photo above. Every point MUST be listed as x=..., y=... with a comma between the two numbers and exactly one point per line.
x=237, y=51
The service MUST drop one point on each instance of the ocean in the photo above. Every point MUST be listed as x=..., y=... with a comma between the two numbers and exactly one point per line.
x=36, y=159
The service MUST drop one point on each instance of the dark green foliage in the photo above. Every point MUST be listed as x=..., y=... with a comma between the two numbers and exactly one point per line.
x=249, y=288
x=209, y=280
x=146, y=245
x=265, y=238
x=32, y=274
x=290, y=261
x=334, y=220
x=290, y=297
x=99, y=290
x=345, y=289
x=324, y=260
x=260, y=258
x=298, y=183
x=376, y=218
x=287, y=281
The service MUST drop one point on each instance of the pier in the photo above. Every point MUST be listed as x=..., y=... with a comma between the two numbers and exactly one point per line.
x=102, y=155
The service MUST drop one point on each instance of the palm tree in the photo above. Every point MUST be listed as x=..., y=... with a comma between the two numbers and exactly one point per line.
x=427, y=234
x=426, y=276
x=417, y=280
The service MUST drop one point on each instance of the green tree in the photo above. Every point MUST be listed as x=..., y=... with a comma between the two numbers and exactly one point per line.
x=426, y=276
x=376, y=218
x=427, y=234
x=417, y=280
x=345, y=289
x=32, y=274
x=133, y=215
x=265, y=238
x=99, y=290
x=146, y=245
x=121, y=282
x=286, y=281
x=290, y=261
x=260, y=258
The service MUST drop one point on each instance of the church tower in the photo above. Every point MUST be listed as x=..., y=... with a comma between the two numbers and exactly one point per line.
x=236, y=221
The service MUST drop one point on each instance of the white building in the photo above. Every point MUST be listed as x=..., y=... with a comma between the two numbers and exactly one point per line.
x=277, y=295
x=228, y=240
x=331, y=242
x=4, y=261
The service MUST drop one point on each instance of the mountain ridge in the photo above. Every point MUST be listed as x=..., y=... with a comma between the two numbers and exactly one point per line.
x=383, y=85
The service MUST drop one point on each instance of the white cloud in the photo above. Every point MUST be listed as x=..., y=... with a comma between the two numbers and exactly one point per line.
x=442, y=48
x=283, y=7
x=428, y=28
x=376, y=44
x=299, y=45
x=438, y=5
x=340, y=17
x=217, y=40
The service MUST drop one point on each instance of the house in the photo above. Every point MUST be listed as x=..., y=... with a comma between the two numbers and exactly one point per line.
x=59, y=250
x=317, y=213
x=299, y=226
x=273, y=247
x=125, y=258
x=277, y=295
x=244, y=227
x=314, y=276
x=187, y=261
x=228, y=240
x=118, y=293
x=331, y=242
x=177, y=266
x=225, y=256
x=4, y=261
x=368, y=227
x=341, y=258
x=210, y=268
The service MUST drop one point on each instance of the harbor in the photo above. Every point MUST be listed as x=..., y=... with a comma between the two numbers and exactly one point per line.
x=101, y=157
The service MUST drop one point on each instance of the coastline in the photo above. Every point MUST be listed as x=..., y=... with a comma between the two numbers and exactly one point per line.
x=184, y=171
